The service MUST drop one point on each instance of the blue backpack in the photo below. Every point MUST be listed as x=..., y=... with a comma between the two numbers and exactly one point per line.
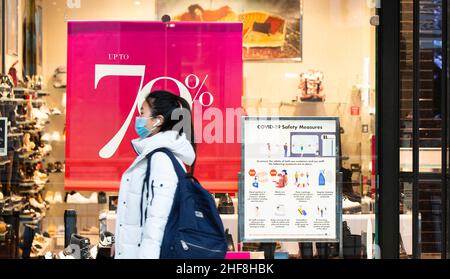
x=194, y=229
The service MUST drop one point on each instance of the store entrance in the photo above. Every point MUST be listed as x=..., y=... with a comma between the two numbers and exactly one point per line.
x=413, y=129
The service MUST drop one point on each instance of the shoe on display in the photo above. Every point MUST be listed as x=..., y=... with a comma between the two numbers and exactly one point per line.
x=49, y=197
x=78, y=198
x=102, y=198
x=60, y=77
x=1, y=196
x=46, y=149
x=39, y=198
x=40, y=178
x=16, y=198
x=40, y=174
x=349, y=206
x=56, y=111
x=226, y=205
x=51, y=168
x=230, y=242
x=60, y=229
x=40, y=115
x=34, y=203
x=103, y=249
x=57, y=198
x=44, y=109
x=46, y=137
x=93, y=198
x=94, y=251
x=50, y=256
x=39, y=246
x=79, y=248
x=59, y=167
x=3, y=229
x=56, y=136
x=107, y=240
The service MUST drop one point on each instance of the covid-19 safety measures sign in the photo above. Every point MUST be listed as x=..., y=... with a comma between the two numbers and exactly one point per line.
x=289, y=189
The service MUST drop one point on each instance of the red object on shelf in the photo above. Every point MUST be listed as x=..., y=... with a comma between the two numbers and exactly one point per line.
x=355, y=111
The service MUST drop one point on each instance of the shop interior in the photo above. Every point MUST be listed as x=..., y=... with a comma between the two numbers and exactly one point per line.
x=337, y=42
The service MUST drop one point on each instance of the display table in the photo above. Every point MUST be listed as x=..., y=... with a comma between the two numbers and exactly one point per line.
x=356, y=222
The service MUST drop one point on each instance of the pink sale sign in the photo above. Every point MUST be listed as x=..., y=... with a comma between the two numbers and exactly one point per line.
x=112, y=66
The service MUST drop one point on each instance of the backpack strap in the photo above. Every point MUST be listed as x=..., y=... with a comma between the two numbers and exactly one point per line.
x=178, y=170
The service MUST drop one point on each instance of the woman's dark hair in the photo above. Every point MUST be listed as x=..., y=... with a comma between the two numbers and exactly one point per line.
x=192, y=9
x=166, y=103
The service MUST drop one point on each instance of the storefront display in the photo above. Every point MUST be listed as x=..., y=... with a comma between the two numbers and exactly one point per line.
x=301, y=176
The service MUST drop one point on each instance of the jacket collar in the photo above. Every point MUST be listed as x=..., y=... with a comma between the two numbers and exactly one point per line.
x=171, y=140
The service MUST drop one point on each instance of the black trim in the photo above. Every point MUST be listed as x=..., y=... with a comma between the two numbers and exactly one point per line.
x=416, y=125
x=3, y=37
x=444, y=117
x=388, y=110
x=444, y=113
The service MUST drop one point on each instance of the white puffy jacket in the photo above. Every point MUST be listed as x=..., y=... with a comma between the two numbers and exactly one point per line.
x=134, y=241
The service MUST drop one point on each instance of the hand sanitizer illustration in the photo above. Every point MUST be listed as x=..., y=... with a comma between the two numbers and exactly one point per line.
x=256, y=183
x=322, y=181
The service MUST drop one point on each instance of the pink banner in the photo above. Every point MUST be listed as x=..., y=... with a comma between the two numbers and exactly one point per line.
x=110, y=64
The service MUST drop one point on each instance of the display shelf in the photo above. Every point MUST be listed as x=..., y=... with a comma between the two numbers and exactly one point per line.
x=34, y=191
x=3, y=163
x=75, y=204
x=23, y=89
x=27, y=122
x=33, y=131
x=26, y=154
x=19, y=100
x=39, y=92
x=12, y=135
x=300, y=103
x=35, y=160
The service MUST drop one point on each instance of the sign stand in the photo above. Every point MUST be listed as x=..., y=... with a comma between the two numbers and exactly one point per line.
x=290, y=185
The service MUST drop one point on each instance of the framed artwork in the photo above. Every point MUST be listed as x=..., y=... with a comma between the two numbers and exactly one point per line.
x=272, y=29
x=12, y=27
x=39, y=35
x=3, y=136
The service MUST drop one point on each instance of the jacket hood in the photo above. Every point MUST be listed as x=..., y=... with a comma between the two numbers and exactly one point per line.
x=171, y=140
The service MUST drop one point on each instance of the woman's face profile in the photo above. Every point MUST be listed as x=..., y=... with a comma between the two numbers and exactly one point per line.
x=146, y=111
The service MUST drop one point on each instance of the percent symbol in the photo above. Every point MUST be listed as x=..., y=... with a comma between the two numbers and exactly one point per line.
x=199, y=96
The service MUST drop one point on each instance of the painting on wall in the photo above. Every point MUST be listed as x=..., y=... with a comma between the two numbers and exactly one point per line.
x=12, y=27
x=272, y=29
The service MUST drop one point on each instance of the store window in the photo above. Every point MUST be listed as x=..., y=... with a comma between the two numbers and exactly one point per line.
x=69, y=108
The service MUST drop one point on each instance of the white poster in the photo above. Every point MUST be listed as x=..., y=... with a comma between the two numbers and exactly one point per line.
x=3, y=136
x=289, y=187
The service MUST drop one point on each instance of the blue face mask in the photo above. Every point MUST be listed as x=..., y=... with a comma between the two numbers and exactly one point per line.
x=140, y=128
